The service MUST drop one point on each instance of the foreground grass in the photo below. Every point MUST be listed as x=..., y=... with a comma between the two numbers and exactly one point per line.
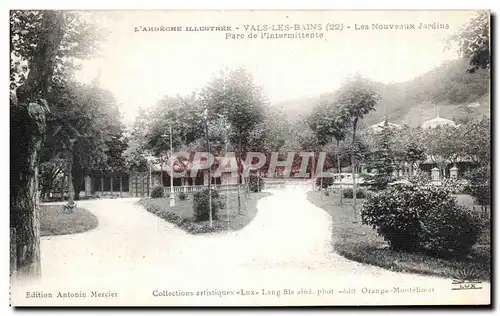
x=54, y=221
x=229, y=219
x=361, y=243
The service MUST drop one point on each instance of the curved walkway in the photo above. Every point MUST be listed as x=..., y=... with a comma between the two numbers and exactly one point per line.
x=287, y=245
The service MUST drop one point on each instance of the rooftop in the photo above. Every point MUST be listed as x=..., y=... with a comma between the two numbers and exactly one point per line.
x=437, y=121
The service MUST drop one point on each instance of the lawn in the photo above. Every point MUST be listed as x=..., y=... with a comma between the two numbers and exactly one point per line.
x=361, y=243
x=54, y=221
x=182, y=213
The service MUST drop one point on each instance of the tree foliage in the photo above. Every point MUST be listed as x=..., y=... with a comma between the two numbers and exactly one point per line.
x=79, y=40
x=382, y=160
x=43, y=44
x=473, y=41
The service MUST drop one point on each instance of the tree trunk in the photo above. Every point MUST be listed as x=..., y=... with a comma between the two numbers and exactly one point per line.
x=78, y=179
x=339, y=169
x=63, y=178
x=313, y=170
x=102, y=183
x=239, y=174
x=161, y=172
x=111, y=184
x=28, y=116
x=26, y=144
x=353, y=171
x=321, y=182
x=71, y=189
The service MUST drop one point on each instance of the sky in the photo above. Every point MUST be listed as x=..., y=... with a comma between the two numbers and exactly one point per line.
x=141, y=67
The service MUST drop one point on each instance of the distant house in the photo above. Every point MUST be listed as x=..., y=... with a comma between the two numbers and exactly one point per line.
x=377, y=128
x=437, y=121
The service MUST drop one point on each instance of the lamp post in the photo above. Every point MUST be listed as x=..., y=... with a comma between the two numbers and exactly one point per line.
x=150, y=160
x=205, y=116
x=227, y=126
x=172, y=194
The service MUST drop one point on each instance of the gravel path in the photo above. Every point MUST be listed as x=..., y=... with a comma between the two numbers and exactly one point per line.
x=286, y=246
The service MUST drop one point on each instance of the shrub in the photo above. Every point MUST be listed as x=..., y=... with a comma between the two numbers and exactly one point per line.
x=157, y=192
x=201, y=204
x=327, y=182
x=378, y=181
x=182, y=196
x=453, y=185
x=420, y=178
x=449, y=228
x=255, y=183
x=349, y=193
x=412, y=217
x=479, y=185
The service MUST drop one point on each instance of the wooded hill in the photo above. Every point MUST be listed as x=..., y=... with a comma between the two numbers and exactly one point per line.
x=456, y=94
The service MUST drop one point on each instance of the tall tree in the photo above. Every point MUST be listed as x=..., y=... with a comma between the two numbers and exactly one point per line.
x=234, y=96
x=473, y=41
x=42, y=45
x=475, y=140
x=28, y=117
x=327, y=121
x=383, y=160
x=357, y=98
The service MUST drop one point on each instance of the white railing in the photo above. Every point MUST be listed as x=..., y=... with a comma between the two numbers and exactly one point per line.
x=220, y=187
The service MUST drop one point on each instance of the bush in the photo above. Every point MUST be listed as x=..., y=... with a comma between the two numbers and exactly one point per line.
x=327, y=182
x=378, y=181
x=453, y=185
x=255, y=183
x=201, y=204
x=182, y=196
x=449, y=229
x=349, y=193
x=412, y=217
x=157, y=192
x=479, y=185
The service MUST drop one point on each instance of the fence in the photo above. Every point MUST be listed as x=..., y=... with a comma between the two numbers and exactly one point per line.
x=220, y=187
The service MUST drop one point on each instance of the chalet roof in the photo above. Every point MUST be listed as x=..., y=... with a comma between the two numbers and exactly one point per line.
x=380, y=126
x=437, y=121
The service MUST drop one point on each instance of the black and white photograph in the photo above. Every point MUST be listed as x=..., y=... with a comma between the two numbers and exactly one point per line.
x=250, y=158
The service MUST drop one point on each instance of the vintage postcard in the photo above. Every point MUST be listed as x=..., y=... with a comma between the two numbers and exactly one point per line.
x=250, y=158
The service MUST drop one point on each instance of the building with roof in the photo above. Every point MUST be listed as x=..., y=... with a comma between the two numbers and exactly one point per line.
x=385, y=123
x=380, y=126
x=437, y=121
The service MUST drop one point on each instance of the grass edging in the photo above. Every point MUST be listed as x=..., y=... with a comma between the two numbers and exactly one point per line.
x=361, y=243
x=181, y=215
x=54, y=221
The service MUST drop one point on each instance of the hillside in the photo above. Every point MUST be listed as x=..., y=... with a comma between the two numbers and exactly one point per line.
x=448, y=89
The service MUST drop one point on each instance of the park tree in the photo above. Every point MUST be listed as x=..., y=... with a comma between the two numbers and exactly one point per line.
x=475, y=140
x=270, y=135
x=137, y=151
x=357, y=97
x=382, y=159
x=473, y=41
x=327, y=121
x=443, y=145
x=42, y=48
x=415, y=153
x=234, y=96
x=178, y=115
x=434, y=138
x=84, y=128
x=304, y=139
